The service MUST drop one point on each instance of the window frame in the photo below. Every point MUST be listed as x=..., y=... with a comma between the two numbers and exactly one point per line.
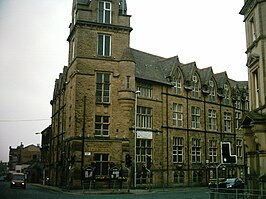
x=144, y=117
x=102, y=165
x=103, y=88
x=145, y=89
x=104, y=45
x=213, y=151
x=105, y=13
x=212, y=94
x=195, y=117
x=195, y=87
x=143, y=149
x=178, y=149
x=212, y=120
x=104, y=124
x=196, y=150
x=227, y=122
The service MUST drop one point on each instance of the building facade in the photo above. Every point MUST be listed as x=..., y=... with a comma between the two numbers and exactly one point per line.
x=254, y=122
x=112, y=100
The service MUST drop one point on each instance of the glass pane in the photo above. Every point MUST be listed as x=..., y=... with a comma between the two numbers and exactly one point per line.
x=105, y=127
x=97, y=157
x=105, y=157
x=104, y=168
x=100, y=44
x=99, y=78
x=107, y=46
x=106, y=78
x=97, y=169
x=107, y=17
x=106, y=119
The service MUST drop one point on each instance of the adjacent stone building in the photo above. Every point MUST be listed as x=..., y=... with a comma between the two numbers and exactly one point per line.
x=254, y=122
x=110, y=92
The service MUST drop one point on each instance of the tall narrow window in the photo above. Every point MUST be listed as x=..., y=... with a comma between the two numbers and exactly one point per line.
x=253, y=35
x=105, y=9
x=227, y=122
x=102, y=164
x=178, y=115
x=73, y=49
x=177, y=84
x=213, y=151
x=238, y=102
x=102, y=88
x=178, y=148
x=196, y=152
x=212, y=120
x=195, y=117
x=237, y=120
x=144, y=117
x=212, y=95
x=226, y=94
x=239, y=148
x=195, y=87
x=102, y=125
x=104, y=45
x=143, y=149
x=128, y=82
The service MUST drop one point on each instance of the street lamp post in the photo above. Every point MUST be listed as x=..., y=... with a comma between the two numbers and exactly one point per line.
x=135, y=139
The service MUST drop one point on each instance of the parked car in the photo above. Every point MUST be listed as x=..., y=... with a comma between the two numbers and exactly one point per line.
x=18, y=180
x=213, y=183
x=233, y=184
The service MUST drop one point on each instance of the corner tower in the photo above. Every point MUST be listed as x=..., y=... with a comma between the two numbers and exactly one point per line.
x=94, y=110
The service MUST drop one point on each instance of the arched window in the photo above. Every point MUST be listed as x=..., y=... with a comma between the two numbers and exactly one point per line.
x=226, y=94
x=195, y=87
x=177, y=83
x=212, y=95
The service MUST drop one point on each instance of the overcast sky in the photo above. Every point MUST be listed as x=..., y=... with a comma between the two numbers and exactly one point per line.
x=33, y=51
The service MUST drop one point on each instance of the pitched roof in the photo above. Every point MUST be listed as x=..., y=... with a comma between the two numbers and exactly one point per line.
x=221, y=78
x=205, y=75
x=148, y=67
x=188, y=70
x=253, y=117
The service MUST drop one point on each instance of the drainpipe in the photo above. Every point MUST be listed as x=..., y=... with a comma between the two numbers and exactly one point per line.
x=188, y=88
x=167, y=139
x=83, y=140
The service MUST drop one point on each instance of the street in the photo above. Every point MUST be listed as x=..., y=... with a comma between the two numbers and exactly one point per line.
x=36, y=192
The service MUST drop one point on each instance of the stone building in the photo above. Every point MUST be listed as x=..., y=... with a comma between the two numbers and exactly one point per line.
x=110, y=92
x=26, y=160
x=254, y=122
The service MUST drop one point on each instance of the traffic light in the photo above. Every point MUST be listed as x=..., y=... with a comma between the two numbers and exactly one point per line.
x=128, y=161
x=227, y=158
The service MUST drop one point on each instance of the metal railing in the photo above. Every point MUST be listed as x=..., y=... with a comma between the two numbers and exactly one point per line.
x=237, y=194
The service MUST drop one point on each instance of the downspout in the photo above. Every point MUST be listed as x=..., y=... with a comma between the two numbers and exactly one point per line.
x=167, y=139
x=188, y=168
x=205, y=138
x=83, y=140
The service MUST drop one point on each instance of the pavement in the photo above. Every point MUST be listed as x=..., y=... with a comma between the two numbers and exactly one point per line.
x=111, y=191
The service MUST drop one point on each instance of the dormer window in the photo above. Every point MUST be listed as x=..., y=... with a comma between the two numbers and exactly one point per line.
x=177, y=84
x=195, y=87
x=105, y=9
x=212, y=95
x=226, y=95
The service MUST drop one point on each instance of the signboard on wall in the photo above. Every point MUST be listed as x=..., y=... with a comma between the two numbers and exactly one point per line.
x=144, y=135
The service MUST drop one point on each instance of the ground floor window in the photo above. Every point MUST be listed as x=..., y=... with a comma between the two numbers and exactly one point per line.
x=197, y=176
x=179, y=177
x=102, y=164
